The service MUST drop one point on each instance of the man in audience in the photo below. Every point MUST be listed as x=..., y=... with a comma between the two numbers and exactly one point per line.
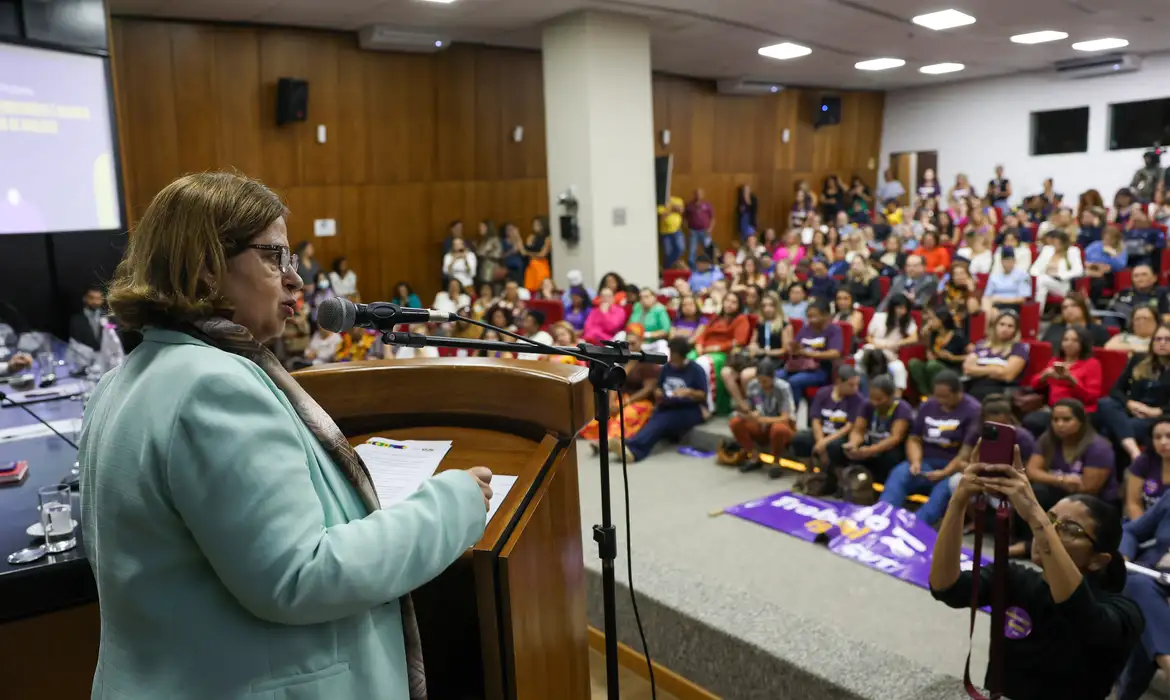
x=1007, y=288
x=820, y=284
x=891, y=190
x=681, y=395
x=915, y=284
x=1148, y=179
x=576, y=280
x=700, y=218
x=85, y=326
x=831, y=416
x=1144, y=291
x=770, y=419
x=1144, y=242
x=670, y=220
x=704, y=275
x=531, y=326
x=999, y=190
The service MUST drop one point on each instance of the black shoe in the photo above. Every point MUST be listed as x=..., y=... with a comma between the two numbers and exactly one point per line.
x=775, y=472
x=750, y=466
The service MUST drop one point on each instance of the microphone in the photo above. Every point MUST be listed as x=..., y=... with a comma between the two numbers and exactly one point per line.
x=339, y=315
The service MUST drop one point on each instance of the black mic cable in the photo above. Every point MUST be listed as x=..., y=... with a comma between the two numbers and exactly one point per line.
x=42, y=421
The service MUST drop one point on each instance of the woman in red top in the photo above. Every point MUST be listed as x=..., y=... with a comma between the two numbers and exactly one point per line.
x=723, y=334
x=937, y=258
x=1072, y=374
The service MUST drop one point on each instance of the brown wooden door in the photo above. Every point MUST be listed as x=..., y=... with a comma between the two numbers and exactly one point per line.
x=901, y=166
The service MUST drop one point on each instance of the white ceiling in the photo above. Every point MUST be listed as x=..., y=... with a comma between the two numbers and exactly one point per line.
x=719, y=40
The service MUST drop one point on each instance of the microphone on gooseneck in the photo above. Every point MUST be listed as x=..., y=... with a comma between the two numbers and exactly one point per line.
x=339, y=315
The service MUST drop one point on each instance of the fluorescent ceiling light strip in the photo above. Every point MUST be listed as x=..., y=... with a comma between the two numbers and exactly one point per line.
x=940, y=68
x=1100, y=44
x=944, y=19
x=1039, y=37
x=879, y=64
x=784, y=51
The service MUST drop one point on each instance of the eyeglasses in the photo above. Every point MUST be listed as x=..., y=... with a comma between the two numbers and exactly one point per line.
x=285, y=261
x=1161, y=339
x=1070, y=529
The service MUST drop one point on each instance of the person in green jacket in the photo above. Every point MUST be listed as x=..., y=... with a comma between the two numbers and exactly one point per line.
x=653, y=316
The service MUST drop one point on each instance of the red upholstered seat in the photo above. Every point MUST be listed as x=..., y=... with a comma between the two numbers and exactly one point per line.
x=1029, y=320
x=552, y=309
x=1039, y=355
x=977, y=327
x=867, y=313
x=884, y=284
x=1112, y=365
x=669, y=276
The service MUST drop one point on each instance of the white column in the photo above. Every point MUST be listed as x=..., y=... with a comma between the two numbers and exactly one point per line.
x=599, y=117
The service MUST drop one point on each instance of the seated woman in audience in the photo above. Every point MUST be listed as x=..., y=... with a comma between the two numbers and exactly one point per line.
x=466, y=330
x=946, y=348
x=613, y=282
x=862, y=283
x=515, y=297
x=653, y=318
x=489, y=334
x=845, y=311
x=998, y=360
x=767, y=416
x=1140, y=396
x=961, y=293
x=978, y=252
x=820, y=248
x=1143, y=321
x=1103, y=258
x=342, y=279
x=997, y=408
x=460, y=263
x=749, y=275
x=855, y=246
x=813, y=351
x=936, y=258
x=680, y=396
x=404, y=295
x=772, y=336
x=1057, y=265
x=490, y=254
x=893, y=259
x=531, y=326
x=514, y=256
x=877, y=438
x=548, y=291
x=791, y=252
x=537, y=248
x=1148, y=478
x=1074, y=313
x=308, y=267
x=323, y=347
x=783, y=277
x=727, y=332
x=358, y=345
x=932, y=450
x=501, y=316
x=889, y=331
x=580, y=305
x=605, y=320
x=689, y=318
x=820, y=285
x=453, y=298
x=796, y=307
x=1072, y=373
x=1143, y=241
x=1079, y=629
x=751, y=297
x=637, y=396
x=752, y=248
x=1010, y=240
x=830, y=417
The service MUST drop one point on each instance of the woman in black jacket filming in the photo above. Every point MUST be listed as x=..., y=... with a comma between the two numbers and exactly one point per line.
x=1139, y=397
x=1069, y=629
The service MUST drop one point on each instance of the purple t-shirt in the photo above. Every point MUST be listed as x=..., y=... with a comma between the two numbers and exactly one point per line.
x=1024, y=439
x=984, y=355
x=1148, y=468
x=833, y=414
x=1099, y=454
x=942, y=431
x=828, y=338
x=879, y=425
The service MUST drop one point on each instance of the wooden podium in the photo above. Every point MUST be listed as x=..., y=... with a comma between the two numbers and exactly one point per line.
x=507, y=621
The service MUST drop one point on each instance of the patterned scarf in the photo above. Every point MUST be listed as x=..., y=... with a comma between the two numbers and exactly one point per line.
x=234, y=338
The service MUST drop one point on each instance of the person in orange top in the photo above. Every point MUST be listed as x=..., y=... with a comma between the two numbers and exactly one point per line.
x=723, y=334
x=1072, y=374
x=937, y=258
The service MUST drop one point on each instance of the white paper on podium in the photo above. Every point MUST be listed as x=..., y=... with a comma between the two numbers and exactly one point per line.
x=399, y=467
x=501, y=485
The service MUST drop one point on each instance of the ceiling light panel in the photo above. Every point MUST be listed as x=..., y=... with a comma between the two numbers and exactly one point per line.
x=1039, y=37
x=1100, y=44
x=785, y=51
x=944, y=19
x=879, y=64
x=940, y=68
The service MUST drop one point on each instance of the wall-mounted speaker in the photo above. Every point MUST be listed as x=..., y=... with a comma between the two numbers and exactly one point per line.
x=828, y=112
x=292, y=100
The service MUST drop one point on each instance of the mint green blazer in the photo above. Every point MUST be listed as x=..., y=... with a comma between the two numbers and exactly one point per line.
x=233, y=559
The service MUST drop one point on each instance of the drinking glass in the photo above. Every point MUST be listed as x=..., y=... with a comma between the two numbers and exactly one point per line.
x=57, y=518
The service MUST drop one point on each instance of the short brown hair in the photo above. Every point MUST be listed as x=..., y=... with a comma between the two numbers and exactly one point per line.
x=175, y=260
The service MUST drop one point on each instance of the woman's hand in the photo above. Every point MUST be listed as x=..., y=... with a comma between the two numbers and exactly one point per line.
x=971, y=484
x=483, y=477
x=20, y=361
x=1011, y=482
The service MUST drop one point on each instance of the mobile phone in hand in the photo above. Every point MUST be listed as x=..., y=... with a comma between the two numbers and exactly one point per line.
x=998, y=445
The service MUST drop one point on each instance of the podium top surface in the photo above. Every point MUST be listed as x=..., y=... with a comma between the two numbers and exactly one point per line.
x=524, y=397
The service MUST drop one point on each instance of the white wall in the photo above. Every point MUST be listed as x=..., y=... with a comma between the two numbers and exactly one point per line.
x=976, y=125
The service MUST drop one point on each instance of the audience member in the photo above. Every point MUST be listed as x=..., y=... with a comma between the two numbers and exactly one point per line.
x=700, y=220
x=323, y=347
x=792, y=252
x=772, y=337
x=999, y=190
x=1143, y=241
x=946, y=348
x=1136, y=341
x=490, y=254
x=465, y=329
x=877, y=438
x=915, y=284
x=752, y=297
x=1073, y=373
x=1074, y=313
x=1144, y=292
x=501, y=316
x=454, y=233
x=998, y=360
x=1057, y=265
x=460, y=263
x=483, y=301
x=515, y=298
x=796, y=307
x=404, y=352
x=997, y=408
x=753, y=248
x=605, y=320
x=935, y=258
x=1148, y=477
x=1104, y=258
x=813, y=352
x=86, y=325
x=960, y=292
x=689, y=318
x=681, y=395
x=727, y=332
x=831, y=198
x=670, y=221
x=452, y=299
x=489, y=334
x=1140, y=396
x=1092, y=220
x=783, y=277
x=637, y=394
x=613, y=282
x=862, y=283
x=547, y=291
x=1010, y=240
x=746, y=206
x=805, y=205
x=830, y=416
x=342, y=279
x=749, y=275
x=651, y=315
x=889, y=331
x=704, y=275
x=307, y=266
x=820, y=284
x=537, y=248
x=404, y=295
x=766, y=417
x=846, y=312
x=929, y=190
x=580, y=305
x=514, y=256
x=932, y=450
x=890, y=189
x=530, y=327
x=978, y=253
x=1008, y=287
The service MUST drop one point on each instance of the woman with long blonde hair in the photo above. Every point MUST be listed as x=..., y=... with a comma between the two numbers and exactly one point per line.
x=1140, y=396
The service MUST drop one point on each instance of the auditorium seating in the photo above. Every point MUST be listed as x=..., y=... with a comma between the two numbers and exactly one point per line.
x=552, y=309
x=1039, y=355
x=1112, y=365
x=670, y=276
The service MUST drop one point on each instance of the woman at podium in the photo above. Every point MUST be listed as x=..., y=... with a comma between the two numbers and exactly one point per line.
x=235, y=536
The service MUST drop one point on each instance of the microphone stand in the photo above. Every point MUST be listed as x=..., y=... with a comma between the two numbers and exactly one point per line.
x=607, y=372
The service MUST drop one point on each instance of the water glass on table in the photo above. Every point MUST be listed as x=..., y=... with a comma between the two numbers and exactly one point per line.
x=57, y=518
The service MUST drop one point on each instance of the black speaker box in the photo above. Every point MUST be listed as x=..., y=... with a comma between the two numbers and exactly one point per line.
x=829, y=112
x=292, y=101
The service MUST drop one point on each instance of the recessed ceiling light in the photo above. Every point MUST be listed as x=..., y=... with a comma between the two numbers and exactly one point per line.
x=441, y=2
x=1100, y=44
x=1039, y=37
x=944, y=19
x=940, y=68
x=785, y=51
x=879, y=64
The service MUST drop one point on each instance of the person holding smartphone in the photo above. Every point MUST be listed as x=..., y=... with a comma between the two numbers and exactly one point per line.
x=1069, y=629
x=1072, y=374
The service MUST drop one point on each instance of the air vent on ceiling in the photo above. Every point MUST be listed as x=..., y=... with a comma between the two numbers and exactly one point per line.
x=744, y=86
x=379, y=37
x=1094, y=66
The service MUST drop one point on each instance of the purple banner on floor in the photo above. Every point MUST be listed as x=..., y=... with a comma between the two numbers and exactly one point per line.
x=882, y=537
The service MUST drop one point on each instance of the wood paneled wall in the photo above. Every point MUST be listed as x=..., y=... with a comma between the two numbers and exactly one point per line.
x=415, y=141
x=720, y=142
